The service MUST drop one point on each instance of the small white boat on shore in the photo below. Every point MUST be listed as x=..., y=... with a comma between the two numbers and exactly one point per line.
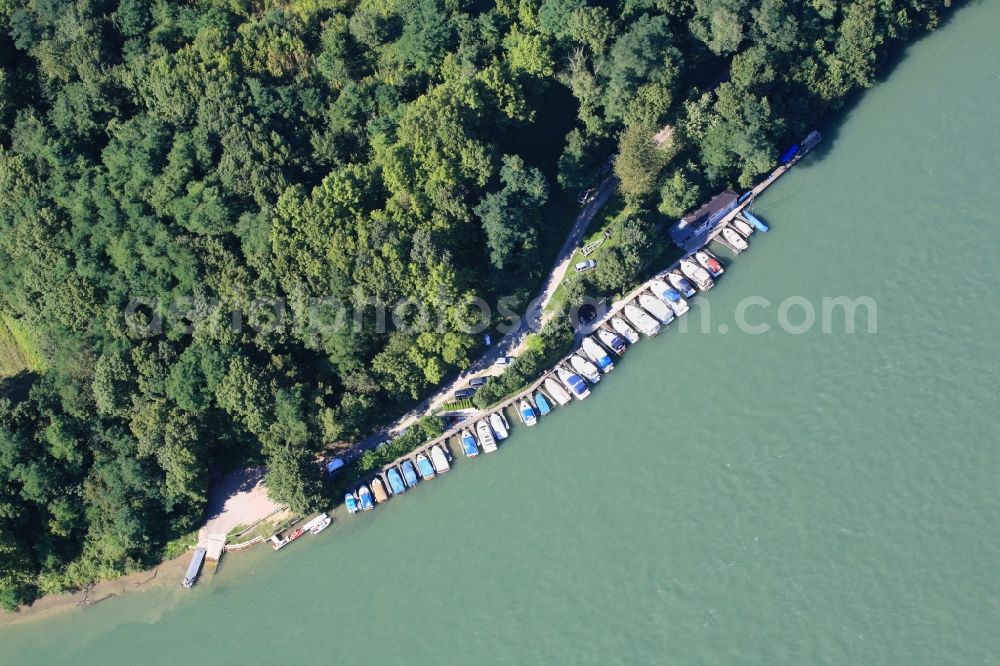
x=596, y=353
x=500, y=426
x=439, y=459
x=624, y=330
x=656, y=307
x=743, y=227
x=556, y=390
x=710, y=263
x=681, y=284
x=697, y=274
x=485, y=434
x=573, y=382
x=584, y=367
x=612, y=341
x=642, y=319
x=734, y=239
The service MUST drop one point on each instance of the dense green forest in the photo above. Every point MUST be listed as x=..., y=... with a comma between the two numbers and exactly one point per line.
x=168, y=168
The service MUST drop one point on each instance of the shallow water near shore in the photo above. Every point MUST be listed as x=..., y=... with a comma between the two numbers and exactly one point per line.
x=721, y=498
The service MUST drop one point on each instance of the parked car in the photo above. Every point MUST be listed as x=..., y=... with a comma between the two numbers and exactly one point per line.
x=585, y=265
x=462, y=394
x=504, y=360
x=477, y=381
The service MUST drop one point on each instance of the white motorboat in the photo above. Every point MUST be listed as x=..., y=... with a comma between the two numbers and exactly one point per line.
x=697, y=274
x=500, y=426
x=656, y=307
x=642, y=320
x=584, y=367
x=557, y=391
x=624, y=330
x=734, y=239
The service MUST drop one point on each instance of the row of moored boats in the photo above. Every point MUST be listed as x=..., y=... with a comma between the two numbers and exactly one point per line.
x=663, y=301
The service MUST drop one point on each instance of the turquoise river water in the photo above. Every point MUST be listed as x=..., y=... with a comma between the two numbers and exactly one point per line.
x=722, y=498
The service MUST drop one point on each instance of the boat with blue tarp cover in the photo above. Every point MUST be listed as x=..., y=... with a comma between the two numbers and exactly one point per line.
x=409, y=473
x=542, y=403
x=351, y=502
x=597, y=354
x=574, y=382
x=365, y=498
x=396, y=484
x=527, y=413
x=612, y=341
x=425, y=467
x=469, y=446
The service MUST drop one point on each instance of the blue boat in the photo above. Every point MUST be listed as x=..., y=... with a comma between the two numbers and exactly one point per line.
x=790, y=154
x=469, y=446
x=409, y=473
x=755, y=221
x=425, y=467
x=573, y=382
x=542, y=404
x=365, y=498
x=351, y=502
x=395, y=481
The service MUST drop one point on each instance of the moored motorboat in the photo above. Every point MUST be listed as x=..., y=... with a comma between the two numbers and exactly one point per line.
x=577, y=387
x=351, y=502
x=440, y=459
x=365, y=498
x=501, y=429
x=409, y=473
x=556, y=390
x=469, y=446
x=584, y=367
x=656, y=307
x=612, y=341
x=396, y=485
x=681, y=284
x=734, y=239
x=697, y=274
x=642, y=319
x=527, y=413
x=485, y=433
x=542, y=403
x=709, y=263
x=378, y=490
x=194, y=567
x=596, y=352
x=670, y=296
x=425, y=467
x=624, y=330
x=743, y=227
x=318, y=524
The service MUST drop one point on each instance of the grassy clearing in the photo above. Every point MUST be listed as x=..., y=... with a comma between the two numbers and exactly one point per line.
x=180, y=545
x=18, y=349
x=265, y=528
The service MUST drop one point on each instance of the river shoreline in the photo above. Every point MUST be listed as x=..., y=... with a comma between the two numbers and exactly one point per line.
x=165, y=574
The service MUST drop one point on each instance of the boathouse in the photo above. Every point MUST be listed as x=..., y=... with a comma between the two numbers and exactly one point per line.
x=695, y=225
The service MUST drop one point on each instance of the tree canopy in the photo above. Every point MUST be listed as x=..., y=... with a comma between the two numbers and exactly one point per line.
x=195, y=194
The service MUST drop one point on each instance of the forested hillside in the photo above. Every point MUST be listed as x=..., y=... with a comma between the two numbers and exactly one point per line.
x=173, y=163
